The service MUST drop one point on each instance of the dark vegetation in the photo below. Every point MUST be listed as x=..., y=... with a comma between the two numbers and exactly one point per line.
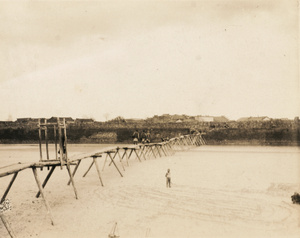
x=272, y=132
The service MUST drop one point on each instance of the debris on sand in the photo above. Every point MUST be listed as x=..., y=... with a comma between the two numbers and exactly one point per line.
x=296, y=198
x=113, y=232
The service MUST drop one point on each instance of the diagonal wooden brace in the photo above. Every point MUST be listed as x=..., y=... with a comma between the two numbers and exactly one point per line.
x=8, y=188
x=46, y=180
x=42, y=192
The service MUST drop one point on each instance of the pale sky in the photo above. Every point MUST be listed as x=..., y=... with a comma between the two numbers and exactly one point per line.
x=137, y=59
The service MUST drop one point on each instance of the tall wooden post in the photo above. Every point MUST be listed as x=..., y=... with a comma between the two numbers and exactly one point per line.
x=66, y=141
x=61, y=150
x=55, y=141
x=40, y=140
x=7, y=226
x=46, y=139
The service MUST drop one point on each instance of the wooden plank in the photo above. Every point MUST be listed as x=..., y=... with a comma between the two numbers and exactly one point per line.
x=11, y=169
x=7, y=226
x=51, y=163
x=8, y=187
x=46, y=180
x=42, y=192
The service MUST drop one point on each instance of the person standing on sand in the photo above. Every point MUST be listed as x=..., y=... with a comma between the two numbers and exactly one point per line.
x=168, y=177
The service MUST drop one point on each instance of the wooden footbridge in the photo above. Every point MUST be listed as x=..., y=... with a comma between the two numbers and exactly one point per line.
x=116, y=156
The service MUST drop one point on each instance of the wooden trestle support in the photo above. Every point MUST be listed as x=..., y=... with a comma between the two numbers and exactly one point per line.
x=141, y=151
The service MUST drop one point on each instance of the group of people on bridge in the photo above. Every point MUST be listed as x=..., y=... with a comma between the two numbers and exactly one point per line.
x=143, y=137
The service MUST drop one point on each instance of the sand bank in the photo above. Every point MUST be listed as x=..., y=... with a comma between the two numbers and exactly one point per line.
x=213, y=194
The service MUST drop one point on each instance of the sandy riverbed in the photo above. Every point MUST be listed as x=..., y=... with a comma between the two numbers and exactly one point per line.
x=216, y=192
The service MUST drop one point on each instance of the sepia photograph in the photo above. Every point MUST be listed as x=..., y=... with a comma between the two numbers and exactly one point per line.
x=146, y=118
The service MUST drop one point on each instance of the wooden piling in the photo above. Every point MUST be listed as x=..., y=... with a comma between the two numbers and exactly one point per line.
x=137, y=155
x=7, y=226
x=46, y=139
x=98, y=170
x=75, y=169
x=46, y=179
x=104, y=162
x=72, y=180
x=115, y=165
x=66, y=139
x=55, y=141
x=8, y=187
x=42, y=192
x=88, y=169
x=40, y=140
x=61, y=150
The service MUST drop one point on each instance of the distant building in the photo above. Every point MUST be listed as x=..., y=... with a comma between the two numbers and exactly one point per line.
x=24, y=120
x=134, y=120
x=221, y=119
x=5, y=123
x=245, y=119
x=284, y=119
x=67, y=119
x=29, y=121
x=84, y=121
x=204, y=118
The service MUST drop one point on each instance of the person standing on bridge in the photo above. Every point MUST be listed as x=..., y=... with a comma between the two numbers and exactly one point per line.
x=168, y=179
x=135, y=137
x=143, y=136
x=148, y=137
